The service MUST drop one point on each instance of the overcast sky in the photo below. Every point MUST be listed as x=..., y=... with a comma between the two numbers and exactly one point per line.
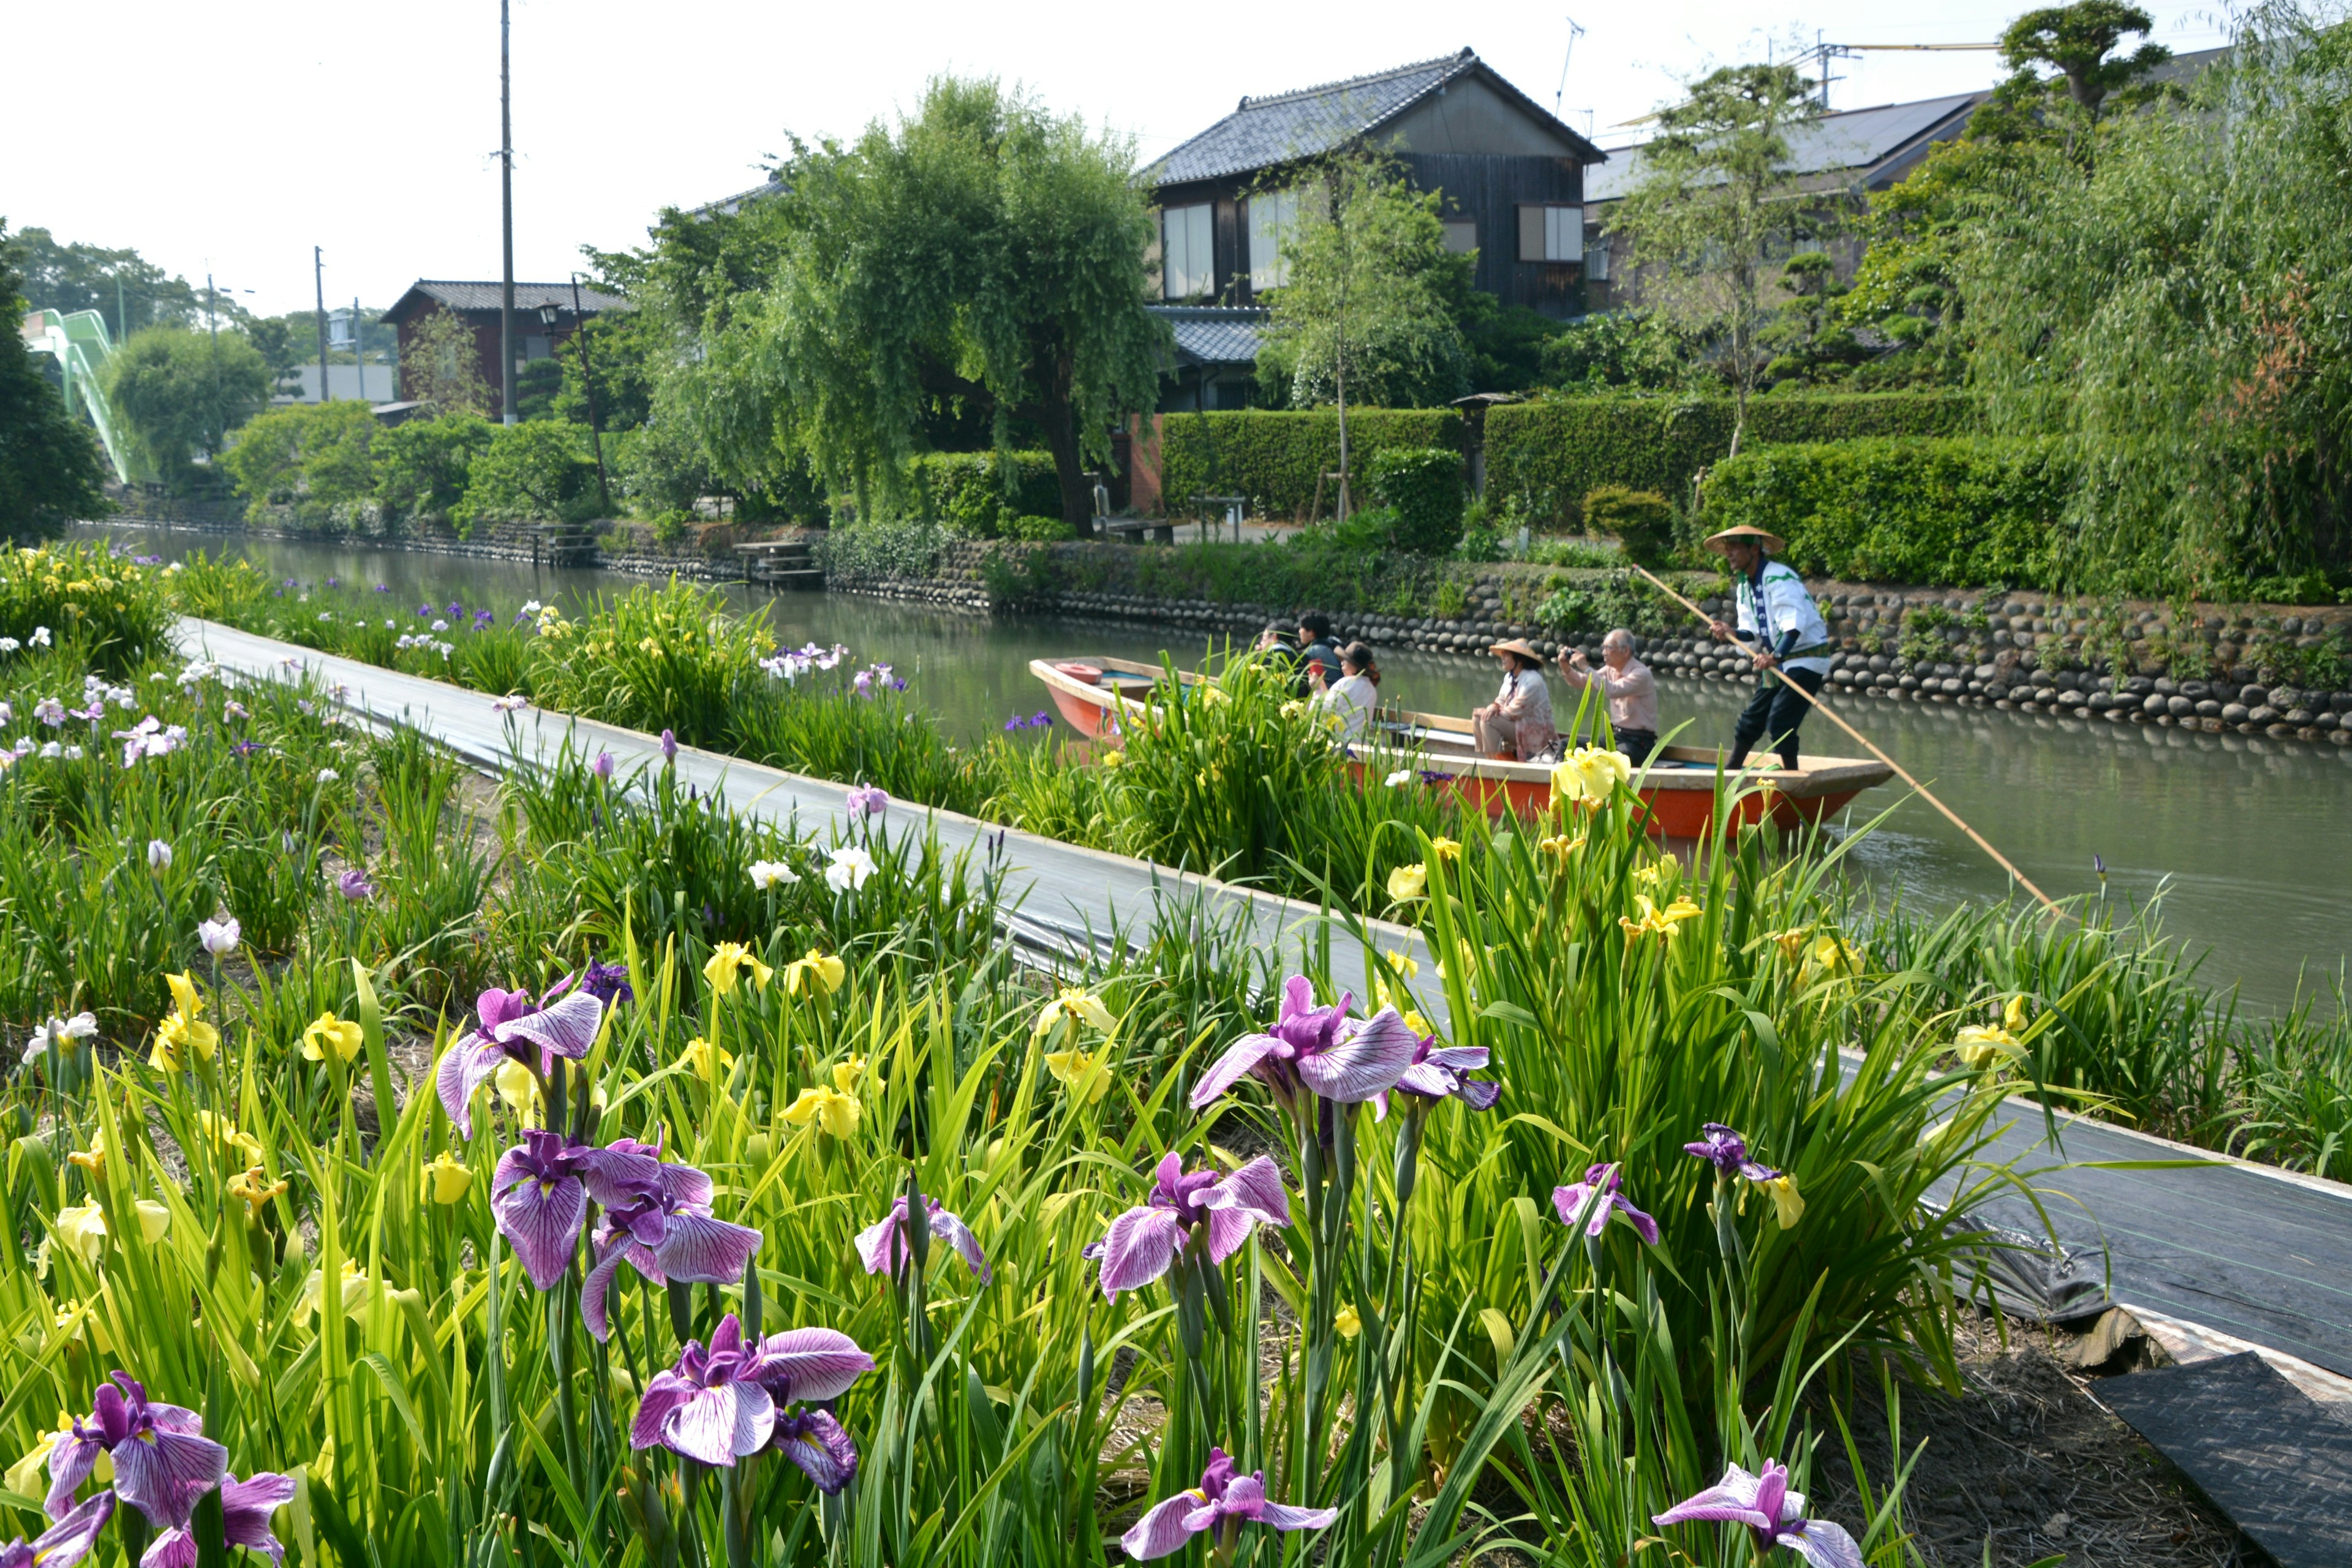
x=233, y=137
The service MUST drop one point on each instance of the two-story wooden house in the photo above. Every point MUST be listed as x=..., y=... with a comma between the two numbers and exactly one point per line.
x=1510, y=176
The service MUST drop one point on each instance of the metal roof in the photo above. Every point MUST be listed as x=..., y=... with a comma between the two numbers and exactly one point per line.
x=1263, y=132
x=1860, y=139
x=1212, y=334
x=468, y=295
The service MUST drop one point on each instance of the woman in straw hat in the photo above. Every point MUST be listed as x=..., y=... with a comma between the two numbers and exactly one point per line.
x=1517, y=724
x=1780, y=628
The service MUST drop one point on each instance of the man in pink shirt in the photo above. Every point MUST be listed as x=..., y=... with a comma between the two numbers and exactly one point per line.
x=1627, y=685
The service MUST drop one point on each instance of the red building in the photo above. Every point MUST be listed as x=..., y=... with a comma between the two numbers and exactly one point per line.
x=477, y=303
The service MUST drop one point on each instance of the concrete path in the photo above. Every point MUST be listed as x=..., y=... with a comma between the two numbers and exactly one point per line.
x=2244, y=1253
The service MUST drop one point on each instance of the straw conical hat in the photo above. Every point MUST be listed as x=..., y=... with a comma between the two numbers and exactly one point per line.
x=1517, y=646
x=1770, y=542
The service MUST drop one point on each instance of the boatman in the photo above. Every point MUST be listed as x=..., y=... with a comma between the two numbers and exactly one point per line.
x=1780, y=628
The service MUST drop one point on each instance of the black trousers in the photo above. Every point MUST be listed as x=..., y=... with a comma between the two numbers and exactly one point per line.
x=1637, y=744
x=1772, y=715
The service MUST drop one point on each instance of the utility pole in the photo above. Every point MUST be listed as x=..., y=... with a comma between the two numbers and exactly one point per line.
x=211, y=347
x=319, y=282
x=588, y=380
x=121, y=313
x=506, y=225
x=358, y=356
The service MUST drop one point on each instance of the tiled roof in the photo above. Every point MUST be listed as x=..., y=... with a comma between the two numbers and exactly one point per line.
x=1265, y=132
x=1212, y=334
x=728, y=206
x=529, y=297
x=1852, y=138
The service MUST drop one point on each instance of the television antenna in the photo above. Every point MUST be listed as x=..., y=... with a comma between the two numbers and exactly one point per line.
x=1575, y=31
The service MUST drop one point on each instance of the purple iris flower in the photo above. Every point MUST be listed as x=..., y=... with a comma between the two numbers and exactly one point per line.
x=483, y=619
x=1143, y=1243
x=1223, y=1501
x=1015, y=722
x=354, y=886
x=1441, y=1072
x=863, y=681
x=66, y=1543
x=1726, y=1150
x=1774, y=1516
x=246, y=1507
x=883, y=1243
x=540, y=1201
x=669, y=747
x=509, y=1025
x=603, y=766
x=1430, y=776
x=334, y=582
x=718, y=1406
x=423, y=612
x=383, y=587
x=609, y=984
x=1569, y=1201
x=866, y=800
x=658, y=1217
x=1340, y=1059
x=162, y=1460
x=457, y=609
x=814, y=1441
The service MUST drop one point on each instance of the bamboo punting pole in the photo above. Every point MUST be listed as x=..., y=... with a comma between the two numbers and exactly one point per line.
x=1925, y=792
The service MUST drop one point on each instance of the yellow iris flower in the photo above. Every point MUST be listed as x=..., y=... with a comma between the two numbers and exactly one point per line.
x=2013, y=1016
x=818, y=970
x=1444, y=849
x=727, y=960
x=828, y=1109
x=1408, y=882
x=222, y=1134
x=83, y=1226
x=1077, y=1005
x=182, y=1032
x=848, y=1072
x=516, y=1086
x=696, y=1057
x=251, y=1186
x=447, y=1179
x=1560, y=844
x=327, y=1032
x=1980, y=1043
x=1114, y=758
x=1590, y=772
x=1348, y=1321
x=1085, y=1074
x=1653, y=921
x=1788, y=1206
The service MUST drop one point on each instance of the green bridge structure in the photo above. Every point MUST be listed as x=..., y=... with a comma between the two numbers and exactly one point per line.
x=81, y=346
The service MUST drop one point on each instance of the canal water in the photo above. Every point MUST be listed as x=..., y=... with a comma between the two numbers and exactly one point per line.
x=2248, y=840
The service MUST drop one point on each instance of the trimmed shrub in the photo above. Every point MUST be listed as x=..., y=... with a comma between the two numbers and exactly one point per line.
x=1276, y=456
x=1422, y=486
x=1547, y=455
x=969, y=492
x=1641, y=520
x=1965, y=512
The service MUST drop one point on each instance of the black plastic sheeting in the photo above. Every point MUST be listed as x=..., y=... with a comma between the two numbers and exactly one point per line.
x=2267, y=1455
x=2266, y=1259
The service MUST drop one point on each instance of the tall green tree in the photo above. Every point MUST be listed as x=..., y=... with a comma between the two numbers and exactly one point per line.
x=2181, y=313
x=1714, y=204
x=2079, y=46
x=179, y=393
x=50, y=471
x=122, y=286
x=1368, y=308
x=982, y=255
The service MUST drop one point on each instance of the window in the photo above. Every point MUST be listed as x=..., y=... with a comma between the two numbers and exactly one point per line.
x=1188, y=262
x=1596, y=258
x=1550, y=233
x=1273, y=221
x=1461, y=234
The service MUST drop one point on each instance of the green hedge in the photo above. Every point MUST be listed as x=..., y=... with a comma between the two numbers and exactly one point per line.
x=1273, y=457
x=1965, y=512
x=966, y=491
x=1547, y=455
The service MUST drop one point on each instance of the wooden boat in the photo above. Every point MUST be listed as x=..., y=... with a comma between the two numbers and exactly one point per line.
x=1097, y=696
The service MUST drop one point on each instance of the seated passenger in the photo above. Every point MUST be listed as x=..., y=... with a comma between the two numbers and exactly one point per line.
x=1516, y=725
x=1318, y=655
x=1357, y=692
x=1626, y=685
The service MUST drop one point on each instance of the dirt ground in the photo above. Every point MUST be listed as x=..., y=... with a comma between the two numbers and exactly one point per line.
x=2025, y=1459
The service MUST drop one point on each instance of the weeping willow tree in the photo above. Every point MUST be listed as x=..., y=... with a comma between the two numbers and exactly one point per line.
x=2180, y=313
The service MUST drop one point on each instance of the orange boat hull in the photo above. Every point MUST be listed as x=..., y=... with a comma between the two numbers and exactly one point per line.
x=1668, y=812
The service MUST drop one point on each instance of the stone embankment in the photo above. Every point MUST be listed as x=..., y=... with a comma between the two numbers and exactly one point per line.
x=2271, y=670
